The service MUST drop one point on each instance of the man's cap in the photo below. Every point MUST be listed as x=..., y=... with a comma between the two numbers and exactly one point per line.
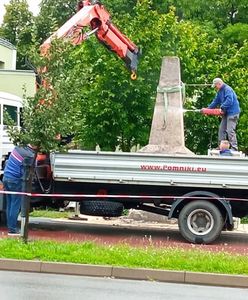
x=216, y=80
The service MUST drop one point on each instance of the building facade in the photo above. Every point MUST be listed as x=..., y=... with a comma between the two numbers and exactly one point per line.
x=12, y=81
x=15, y=85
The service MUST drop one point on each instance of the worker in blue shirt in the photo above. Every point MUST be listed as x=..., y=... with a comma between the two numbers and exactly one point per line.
x=226, y=99
x=12, y=181
x=225, y=148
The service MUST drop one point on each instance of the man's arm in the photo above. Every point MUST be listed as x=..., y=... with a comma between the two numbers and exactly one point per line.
x=215, y=102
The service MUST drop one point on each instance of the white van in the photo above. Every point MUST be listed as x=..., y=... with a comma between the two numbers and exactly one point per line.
x=13, y=105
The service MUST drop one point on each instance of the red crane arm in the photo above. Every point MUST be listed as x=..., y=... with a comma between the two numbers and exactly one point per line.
x=98, y=19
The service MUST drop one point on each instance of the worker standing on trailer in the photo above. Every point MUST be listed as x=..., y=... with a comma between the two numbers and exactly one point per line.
x=226, y=99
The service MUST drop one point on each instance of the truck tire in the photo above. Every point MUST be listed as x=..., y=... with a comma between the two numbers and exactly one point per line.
x=101, y=208
x=200, y=222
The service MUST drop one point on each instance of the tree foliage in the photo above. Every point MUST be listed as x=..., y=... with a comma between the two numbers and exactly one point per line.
x=52, y=15
x=202, y=60
x=52, y=112
x=92, y=95
x=17, y=28
x=220, y=13
x=235, y=34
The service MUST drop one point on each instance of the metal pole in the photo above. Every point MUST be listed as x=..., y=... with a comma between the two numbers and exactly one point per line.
x=199, y=84
x=25, y=203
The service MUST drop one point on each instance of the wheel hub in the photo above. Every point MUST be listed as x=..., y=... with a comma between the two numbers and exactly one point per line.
x=200, y=222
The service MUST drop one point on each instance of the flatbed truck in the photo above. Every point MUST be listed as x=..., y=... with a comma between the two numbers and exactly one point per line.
x=203, y=192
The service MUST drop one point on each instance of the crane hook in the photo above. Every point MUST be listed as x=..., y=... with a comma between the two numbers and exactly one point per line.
x=133, y=75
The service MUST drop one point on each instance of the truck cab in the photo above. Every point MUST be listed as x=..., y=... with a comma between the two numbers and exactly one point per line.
x=12, y=105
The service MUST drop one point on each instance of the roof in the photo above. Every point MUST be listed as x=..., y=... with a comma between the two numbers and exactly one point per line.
x=2, y=71
x=8, y=96
x=7, y=44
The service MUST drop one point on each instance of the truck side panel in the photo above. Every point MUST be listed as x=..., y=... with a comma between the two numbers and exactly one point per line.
x=151, y=169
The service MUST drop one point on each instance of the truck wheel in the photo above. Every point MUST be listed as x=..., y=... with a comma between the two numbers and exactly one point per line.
x=200, y=222
x=101, y=208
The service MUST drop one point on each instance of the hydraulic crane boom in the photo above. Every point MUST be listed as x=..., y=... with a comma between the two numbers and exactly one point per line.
x=94, y=15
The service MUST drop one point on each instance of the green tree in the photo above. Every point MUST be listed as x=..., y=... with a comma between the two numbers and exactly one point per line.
x=52, y=111
x=52, y=15
x=220, y=13
x=17, y=28
x=235, y=34
x=120, y=7
x=204, y=58
x=116, y=110
x=103, y=106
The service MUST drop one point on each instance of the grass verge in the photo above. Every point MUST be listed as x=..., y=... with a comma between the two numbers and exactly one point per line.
x=125, y=256
x=52, y=214
x=244, y=220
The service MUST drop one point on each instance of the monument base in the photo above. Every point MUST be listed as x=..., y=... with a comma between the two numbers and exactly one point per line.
x=166, y=149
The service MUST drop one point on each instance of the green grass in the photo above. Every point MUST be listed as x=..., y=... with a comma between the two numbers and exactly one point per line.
x=244, y=220
x=53, y=214
x=49, y=214
x=126, y=256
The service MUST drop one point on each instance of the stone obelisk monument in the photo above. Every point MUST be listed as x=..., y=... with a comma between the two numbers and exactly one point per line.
x=167, y=131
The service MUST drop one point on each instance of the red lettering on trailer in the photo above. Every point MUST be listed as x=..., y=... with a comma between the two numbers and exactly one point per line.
x=172, y=168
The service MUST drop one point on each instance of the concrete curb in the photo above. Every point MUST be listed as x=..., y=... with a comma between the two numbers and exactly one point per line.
x=125, y=273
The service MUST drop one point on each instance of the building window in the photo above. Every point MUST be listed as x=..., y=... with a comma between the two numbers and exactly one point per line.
x=12, y=112
x=21, y=117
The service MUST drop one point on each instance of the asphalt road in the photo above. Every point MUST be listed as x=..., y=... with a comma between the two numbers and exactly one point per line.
x=36, y=286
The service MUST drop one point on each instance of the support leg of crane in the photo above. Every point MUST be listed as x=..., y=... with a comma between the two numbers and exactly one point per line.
x=76, y=214
x=88, y=34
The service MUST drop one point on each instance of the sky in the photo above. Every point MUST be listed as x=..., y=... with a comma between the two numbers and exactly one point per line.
x=33, y=7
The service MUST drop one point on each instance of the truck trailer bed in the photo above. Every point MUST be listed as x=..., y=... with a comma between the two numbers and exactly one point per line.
x=151, y=169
